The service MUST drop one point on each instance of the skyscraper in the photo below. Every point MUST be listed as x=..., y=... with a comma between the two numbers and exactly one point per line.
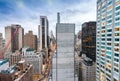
x=89, y=39
x=14, y=37
x=30, y=40
x=43, y=32
x=108, y=40
x=65, y=33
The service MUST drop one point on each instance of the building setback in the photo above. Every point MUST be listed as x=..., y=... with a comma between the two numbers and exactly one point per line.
x=30, y=40
x=14, y=37
x=89, y=39
x=108, y=40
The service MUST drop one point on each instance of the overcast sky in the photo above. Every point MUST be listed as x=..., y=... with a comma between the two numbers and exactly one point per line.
x=27, y=13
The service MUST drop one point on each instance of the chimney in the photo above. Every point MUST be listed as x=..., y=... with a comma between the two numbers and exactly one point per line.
x=58, y=17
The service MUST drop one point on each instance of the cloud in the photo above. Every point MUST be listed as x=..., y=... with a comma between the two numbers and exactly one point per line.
x=20, y=3
x=28, y=14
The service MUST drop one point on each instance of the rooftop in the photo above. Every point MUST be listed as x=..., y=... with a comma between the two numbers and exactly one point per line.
x=10, y=70
x=3, y=61
x=87, y=61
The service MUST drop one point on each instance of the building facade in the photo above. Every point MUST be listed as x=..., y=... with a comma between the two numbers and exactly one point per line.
x=30, y=40
x=43, y=32
x=14, y=58
x=89, y=39
x=14, y=37
x=37, y=61
x=65, y=69
x=108, y=40
x=88, y=70
x=1, y=47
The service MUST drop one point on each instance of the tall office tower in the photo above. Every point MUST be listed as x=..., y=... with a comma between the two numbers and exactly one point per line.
x=14, y=37
x=65, y=34
x=43, y=32
x=30, y=40
x=108, y=40
x=1, y=47
x=89, y=39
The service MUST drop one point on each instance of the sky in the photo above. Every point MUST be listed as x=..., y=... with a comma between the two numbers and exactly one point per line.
x=27, y=13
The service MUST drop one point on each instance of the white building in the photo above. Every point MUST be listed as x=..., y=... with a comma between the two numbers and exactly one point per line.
x=4, y=64
x=108, y=40
x=35, y=59
x=65, y=35
x=88, y=70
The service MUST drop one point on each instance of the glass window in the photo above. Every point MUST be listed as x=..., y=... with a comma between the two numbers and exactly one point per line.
x=117, y=8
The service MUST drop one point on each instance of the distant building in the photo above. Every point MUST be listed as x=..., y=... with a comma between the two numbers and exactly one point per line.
x=79, y=35
x=20, y=72
x=15, y=58
x=30, y=40
x=88, y=70
x=43, y=33
x=3, y=43
x=14, y=37
x=1, y=47
x=36, y=59
x=89, y=39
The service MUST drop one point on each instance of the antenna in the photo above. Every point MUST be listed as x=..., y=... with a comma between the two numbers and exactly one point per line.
x=58, y=17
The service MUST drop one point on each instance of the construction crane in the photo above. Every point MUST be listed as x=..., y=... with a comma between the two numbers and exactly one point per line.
x=7, y=45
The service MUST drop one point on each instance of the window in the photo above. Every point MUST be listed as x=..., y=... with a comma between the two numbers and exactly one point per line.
x=116, y=44
x=109, y=34
x=110, y=16
x=109, y=57
x=117, y=24
x=117, y=19
x=109, y=21
x=110, y=30
x=117, y=8
x=116, y=39
x=117, y=29
x=108, y=43
x=116, y=34
x=118, y=13
x=116, y=54
x=116, y=70
x=108, y=48
x=108, y=39
x=116, y=49
x=109, y=3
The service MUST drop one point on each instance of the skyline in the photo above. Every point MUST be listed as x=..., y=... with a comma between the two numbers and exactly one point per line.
x=27, y=14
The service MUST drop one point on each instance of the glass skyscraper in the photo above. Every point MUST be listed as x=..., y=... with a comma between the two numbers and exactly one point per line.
x=108, y=40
